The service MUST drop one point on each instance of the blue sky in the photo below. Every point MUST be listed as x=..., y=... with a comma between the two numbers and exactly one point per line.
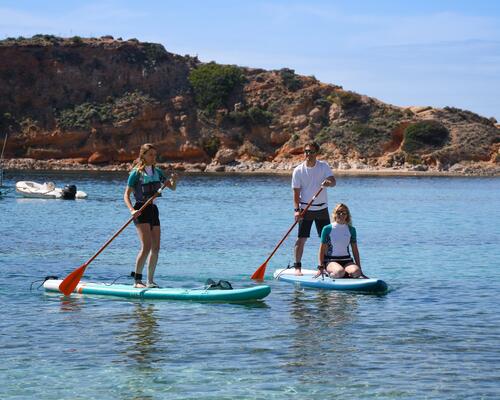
x=438, y=53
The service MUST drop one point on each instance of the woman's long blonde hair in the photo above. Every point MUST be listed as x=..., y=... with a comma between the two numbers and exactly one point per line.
x=339, y=206
x=140, y=162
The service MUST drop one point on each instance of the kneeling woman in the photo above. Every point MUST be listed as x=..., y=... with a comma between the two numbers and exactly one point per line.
x=334, y=255
x=144, y=181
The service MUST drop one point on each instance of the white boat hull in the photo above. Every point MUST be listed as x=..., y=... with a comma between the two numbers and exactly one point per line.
x=45, y=190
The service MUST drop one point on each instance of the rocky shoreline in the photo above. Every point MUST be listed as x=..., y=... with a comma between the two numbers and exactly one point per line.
x=354, y=168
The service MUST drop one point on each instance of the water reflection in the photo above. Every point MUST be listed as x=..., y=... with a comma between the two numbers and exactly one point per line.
x=323, y=309
x=322, y=326
x=71, y=303
x=142, y=349
x=144, y=336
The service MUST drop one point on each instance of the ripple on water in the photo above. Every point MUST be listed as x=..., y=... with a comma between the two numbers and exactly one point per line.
x=433, y=335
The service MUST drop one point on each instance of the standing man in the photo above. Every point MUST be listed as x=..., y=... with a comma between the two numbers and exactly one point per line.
x=307, y=178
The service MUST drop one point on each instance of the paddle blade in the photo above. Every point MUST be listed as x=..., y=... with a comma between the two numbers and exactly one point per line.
x=259, y=272
x=71, y=281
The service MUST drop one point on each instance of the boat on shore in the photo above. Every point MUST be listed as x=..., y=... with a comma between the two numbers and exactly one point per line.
x=48, y=190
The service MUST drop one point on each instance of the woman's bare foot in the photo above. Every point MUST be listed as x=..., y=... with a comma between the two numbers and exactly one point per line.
x=139, y=284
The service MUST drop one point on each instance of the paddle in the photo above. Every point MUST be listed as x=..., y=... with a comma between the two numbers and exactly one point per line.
x=71, y=281
x=259, y=272
x=1, y=161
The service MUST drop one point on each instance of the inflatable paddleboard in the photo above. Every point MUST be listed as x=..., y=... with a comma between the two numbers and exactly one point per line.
x=307, y=280
x=128, y=291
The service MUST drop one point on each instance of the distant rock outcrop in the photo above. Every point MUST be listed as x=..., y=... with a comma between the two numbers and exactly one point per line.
x=95, y=101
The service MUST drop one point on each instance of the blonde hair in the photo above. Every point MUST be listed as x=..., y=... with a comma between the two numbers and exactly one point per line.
x=140, y=162
x=339, y=206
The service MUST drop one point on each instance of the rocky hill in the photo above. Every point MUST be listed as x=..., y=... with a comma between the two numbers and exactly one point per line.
x=95, y=101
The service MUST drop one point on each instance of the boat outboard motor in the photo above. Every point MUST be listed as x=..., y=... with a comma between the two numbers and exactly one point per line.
x=69, y=192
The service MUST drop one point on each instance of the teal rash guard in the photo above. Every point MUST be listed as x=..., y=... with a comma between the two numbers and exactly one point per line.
x=145, y=185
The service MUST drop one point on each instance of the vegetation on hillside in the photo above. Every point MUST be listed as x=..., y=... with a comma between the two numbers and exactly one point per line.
x=252, y=116
x=290, y=79
x=213, y=85
x=424, y=135
x=115, y=111
x=366, y=140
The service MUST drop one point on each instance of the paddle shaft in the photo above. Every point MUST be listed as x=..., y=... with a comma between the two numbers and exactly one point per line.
x=295, y=223
x=1, y=161
x=147, y=203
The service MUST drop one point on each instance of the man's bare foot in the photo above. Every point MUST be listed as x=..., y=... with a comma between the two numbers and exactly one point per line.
x=298, y=272
x=139, y=285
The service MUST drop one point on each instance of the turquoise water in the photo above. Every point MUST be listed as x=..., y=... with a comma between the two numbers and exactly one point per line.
x=435, y=335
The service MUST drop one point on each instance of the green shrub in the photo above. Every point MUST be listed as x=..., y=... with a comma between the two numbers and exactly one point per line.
x=290, y=80
x=365, y=139
x=345, y=99
x=323, y=136
x=252, y=116
x=322, y=102
x=424, y=134
x=154, y=53
x=45, y=38
x=113, y=111
x=213, y=85
x=77, y=40
x=211, y=145
x=82, y=116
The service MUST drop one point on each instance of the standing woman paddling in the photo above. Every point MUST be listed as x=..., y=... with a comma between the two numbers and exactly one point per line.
x=144, y=181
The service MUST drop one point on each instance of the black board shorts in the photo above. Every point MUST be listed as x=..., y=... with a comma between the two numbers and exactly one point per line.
x=321, y=218
x=344, y=261
x=150, y=215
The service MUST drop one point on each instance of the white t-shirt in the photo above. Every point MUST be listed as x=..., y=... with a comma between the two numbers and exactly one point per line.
x=309, y=180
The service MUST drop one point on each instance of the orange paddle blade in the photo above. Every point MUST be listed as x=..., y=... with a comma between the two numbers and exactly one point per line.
x=71, y=281
x=259, y=272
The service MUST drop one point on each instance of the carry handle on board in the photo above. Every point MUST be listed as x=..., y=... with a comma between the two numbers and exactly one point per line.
x=71, y=281
x=259, y=272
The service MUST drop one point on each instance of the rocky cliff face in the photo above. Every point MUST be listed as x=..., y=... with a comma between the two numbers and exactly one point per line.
x=97, y=100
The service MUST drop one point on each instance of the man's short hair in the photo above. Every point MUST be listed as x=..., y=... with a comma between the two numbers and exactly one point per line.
x=313, y=145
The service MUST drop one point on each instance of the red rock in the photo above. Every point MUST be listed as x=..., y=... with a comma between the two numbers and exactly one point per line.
x=99, y=158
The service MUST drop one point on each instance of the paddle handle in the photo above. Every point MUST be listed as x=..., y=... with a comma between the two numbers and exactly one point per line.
x=147, y=203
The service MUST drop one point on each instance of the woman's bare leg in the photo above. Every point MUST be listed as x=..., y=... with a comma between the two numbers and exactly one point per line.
x=144, y=233
x=335, y=270
x=155, y=250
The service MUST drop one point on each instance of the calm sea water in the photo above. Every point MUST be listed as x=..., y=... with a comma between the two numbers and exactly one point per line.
x=435, y=335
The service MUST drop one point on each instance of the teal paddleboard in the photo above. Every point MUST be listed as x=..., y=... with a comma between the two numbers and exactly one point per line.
x=128, y=291
x=308, y=280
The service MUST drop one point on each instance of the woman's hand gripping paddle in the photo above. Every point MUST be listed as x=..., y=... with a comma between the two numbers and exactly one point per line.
x=259, y=272
x=71, y=281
